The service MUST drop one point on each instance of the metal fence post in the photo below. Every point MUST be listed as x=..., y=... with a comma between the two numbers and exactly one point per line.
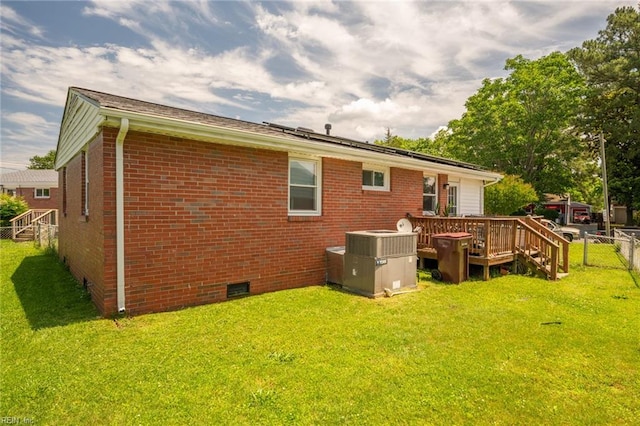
x=584, y=253
x=632, y=242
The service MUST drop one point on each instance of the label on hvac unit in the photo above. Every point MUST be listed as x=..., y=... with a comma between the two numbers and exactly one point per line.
x=380, y=262
x=396, y=284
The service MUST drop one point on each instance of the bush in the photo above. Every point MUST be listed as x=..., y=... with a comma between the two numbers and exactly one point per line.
x=551, y=214
x=11, y=207
x=508, y=195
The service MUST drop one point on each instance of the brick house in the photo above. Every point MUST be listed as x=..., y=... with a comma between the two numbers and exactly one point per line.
x=163, y=208
x=39, y=188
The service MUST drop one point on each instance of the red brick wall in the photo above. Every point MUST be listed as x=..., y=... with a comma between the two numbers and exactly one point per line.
x=39, y=203
x=199, y=216
x=443, y=194
x=81, y=238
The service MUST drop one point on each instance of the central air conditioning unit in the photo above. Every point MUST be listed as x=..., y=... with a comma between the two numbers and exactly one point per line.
x=375, y=261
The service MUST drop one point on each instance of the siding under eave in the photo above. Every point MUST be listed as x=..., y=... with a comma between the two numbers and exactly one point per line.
x=81, y=122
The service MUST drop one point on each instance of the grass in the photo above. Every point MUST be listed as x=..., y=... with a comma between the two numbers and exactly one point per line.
x=513, y=350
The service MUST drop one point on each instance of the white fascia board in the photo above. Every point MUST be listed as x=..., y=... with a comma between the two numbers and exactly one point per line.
x=226, y=135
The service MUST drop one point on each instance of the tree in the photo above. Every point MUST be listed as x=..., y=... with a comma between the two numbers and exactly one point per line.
x=46, y=162
x=611, y=66
x=521, y=124
x=418, y=145
x=508, y=196
x=11, y=207
x=587, y=186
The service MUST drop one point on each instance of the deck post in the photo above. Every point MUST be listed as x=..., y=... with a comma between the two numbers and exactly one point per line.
x=487, y=237
x=554, y=263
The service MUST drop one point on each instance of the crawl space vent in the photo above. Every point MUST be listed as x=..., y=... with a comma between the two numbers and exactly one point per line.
x=239, y=289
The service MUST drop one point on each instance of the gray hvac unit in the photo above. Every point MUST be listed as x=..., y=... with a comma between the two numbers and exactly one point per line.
x=379, y=260
x=335, y=264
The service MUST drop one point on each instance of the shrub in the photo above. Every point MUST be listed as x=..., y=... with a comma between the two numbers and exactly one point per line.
x=508, y=195
x=11, y=207
x=551, y=214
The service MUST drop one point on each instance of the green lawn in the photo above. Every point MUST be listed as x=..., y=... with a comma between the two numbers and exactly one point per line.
x=513, y=350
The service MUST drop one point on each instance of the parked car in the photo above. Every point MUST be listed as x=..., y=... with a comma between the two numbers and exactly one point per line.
x=582, y=217
x=569, y=233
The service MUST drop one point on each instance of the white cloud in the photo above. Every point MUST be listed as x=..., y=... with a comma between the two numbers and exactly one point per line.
x=15, y=23
x=363, y=66
x=24, y=135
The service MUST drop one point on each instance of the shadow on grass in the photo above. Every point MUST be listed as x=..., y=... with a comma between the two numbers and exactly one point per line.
x=634, y=277
x=632, y=273
x=49, y=295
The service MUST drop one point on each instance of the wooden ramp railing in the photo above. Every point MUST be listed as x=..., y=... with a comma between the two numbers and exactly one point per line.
x=498, y=240
x=23, y=225
x=562, y=255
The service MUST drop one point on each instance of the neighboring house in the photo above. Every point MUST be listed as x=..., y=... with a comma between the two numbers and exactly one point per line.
x=163, y=208
x=39, y=188
x=621, y=214
x=567, y=208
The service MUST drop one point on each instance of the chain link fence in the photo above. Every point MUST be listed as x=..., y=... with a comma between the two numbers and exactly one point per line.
x=5, y=232
x=629, y=246
x=44, y=235
x=598, y=249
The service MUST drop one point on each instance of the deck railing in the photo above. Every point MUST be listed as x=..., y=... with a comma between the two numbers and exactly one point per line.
x=540, y=250
x=563, y=253
x=496, y=236
x=490, y=236
x=27, y=220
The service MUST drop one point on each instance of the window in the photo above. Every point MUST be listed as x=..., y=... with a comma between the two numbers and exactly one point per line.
x=452, y=200
x=429, y=195
x=42, y=193
x=375, y=177
x=304, y=187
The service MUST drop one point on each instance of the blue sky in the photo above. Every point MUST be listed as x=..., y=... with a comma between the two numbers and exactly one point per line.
x=361, y=66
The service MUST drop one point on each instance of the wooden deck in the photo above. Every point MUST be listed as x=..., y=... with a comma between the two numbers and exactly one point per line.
x=500, y=240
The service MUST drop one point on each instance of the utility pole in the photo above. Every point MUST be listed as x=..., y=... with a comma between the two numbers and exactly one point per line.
x=605, y=189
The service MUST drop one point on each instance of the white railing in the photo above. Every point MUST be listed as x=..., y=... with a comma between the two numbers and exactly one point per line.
x=31, y=218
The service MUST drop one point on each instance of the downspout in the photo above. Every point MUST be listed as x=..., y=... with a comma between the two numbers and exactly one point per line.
x=493, y=182
x=122, y=133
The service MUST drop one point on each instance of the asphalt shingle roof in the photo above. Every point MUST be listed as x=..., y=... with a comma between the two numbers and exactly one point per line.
x=301, y=134
x=24, y=177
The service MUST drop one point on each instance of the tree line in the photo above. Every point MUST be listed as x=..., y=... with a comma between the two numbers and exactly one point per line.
x=541, y=124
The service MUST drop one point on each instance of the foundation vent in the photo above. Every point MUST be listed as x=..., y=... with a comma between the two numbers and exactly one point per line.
x=237, y=290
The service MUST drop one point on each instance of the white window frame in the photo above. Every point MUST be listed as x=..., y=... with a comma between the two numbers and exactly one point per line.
x=453, y=187
x=35, y=193
x=374, y=168
x=318, y=186
x=434, y=195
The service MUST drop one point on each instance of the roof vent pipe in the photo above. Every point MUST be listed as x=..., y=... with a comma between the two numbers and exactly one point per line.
x=327, y=127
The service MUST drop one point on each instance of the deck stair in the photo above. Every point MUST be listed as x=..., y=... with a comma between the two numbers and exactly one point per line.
x=23, y=227
x=500, y=240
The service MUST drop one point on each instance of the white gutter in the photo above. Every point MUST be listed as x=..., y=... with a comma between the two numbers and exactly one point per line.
x=122, y=133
